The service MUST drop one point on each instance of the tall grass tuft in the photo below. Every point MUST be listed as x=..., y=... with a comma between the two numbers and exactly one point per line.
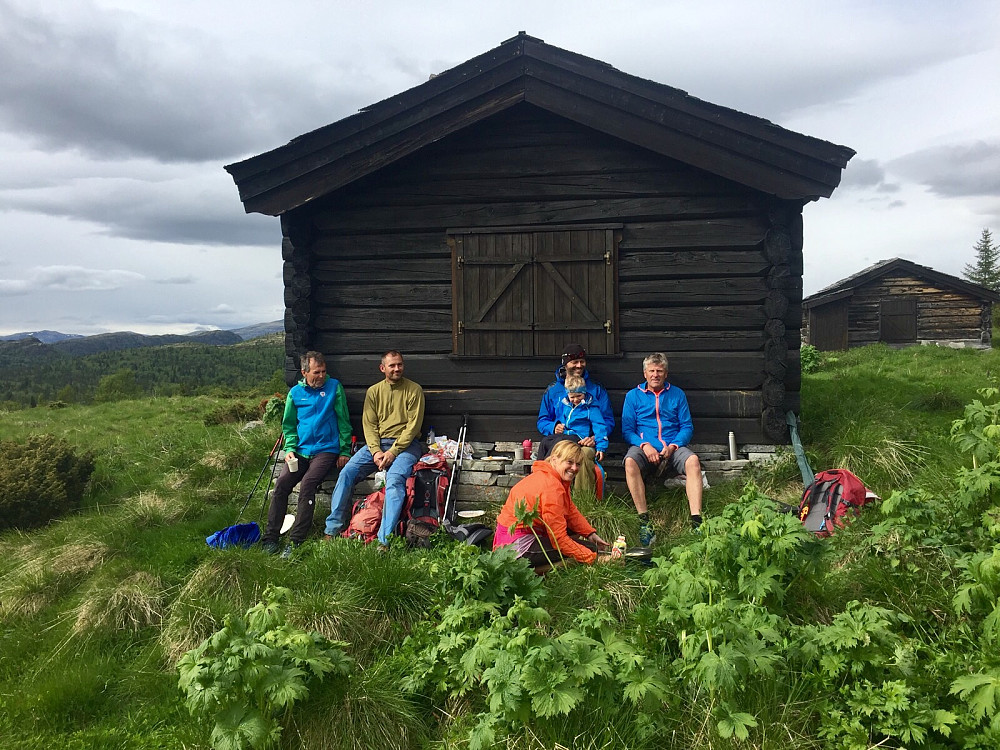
x=113, y=605
x=45, y=575
x=369, y=710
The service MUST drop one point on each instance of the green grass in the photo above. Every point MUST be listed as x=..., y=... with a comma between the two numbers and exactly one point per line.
x=97, y=608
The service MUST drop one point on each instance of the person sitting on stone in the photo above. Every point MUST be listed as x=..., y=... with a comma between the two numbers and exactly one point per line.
x=656, y=423
x=561, y=530
x=317, y=435
x=392, y=415
x=574, y=363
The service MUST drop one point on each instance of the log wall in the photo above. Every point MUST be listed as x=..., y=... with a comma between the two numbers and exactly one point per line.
x=709, y=272
x=943, y=314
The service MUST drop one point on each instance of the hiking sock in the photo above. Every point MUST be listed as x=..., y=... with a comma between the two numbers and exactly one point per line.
x=695, y=521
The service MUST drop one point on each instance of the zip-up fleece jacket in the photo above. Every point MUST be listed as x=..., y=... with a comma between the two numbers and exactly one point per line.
x=315, y=419
x=660, y=419
x=546, y=487
x=583, y=419
x=557, y=390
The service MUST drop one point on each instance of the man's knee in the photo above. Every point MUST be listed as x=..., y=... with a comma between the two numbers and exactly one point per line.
x=692, y=464
x=632, y=467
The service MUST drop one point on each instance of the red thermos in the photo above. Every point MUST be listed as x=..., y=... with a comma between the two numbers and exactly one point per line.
x=526, y=446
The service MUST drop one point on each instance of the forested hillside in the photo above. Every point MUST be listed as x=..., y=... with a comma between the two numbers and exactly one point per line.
x=33, y=374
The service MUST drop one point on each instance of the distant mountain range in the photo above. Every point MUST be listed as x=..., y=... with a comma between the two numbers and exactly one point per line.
x=76, y=345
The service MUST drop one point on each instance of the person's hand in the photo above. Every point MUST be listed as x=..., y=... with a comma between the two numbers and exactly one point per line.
x=596, y=539
x=290, y=456
x=342, y=461
x=669, y=451
x=560, y=428
x=387, y=458
x=588, y=442
x=652, y=455
x=377, y=459
x=599, y=455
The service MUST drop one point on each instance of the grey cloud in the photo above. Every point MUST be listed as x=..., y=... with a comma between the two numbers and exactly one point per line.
x=69, y=278
x=956, y=170
x=188, y=279
x=199, y=210
x=863, y=173
x=116, y=86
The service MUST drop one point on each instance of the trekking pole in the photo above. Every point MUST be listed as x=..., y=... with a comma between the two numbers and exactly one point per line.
x=260, y=476
x=449, y=509
x=270, y=482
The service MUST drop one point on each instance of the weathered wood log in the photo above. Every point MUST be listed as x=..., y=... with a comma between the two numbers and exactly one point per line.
x=298, y=229
x=775, y=304
x=691, y=291
x=376, y=319
x=781, y=279
x=738, y=232
x=375, y=294
x=776, y=349
x=774, y=328
x=773, y=392
x=635, y=264
x=382, y=246
x=707, y=317
x=774, y=426
x=356, y=342
x=683, y=341
x=520, y=213
x=777, y=246
x=364, y=270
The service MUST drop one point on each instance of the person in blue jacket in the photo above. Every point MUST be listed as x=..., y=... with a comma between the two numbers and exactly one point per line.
x=317, y=432
x=656, y=423
x=574, y=362
x=582, y=424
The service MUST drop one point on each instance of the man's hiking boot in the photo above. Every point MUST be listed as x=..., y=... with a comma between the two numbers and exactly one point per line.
x=647, y=535
x=382, y=549
x=288, y=551
x=269, y=548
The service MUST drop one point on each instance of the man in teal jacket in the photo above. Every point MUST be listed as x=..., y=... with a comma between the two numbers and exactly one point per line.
x=317, y=433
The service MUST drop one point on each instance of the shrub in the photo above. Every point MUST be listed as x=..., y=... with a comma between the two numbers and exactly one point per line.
x=40, y=479
x=238, y=411
x=809, y=357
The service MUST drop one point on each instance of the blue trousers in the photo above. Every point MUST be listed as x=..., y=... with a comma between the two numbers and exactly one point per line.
x=362, y=465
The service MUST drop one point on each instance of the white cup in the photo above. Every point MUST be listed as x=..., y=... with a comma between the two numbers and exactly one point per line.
x=293, y=463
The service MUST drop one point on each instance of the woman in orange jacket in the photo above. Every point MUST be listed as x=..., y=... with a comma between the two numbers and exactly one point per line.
x=550, y=539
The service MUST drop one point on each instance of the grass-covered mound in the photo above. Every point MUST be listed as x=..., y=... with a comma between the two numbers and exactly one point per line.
x=749, y=634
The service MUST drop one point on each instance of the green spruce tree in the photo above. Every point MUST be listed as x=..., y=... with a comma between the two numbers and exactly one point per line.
x=985, y=271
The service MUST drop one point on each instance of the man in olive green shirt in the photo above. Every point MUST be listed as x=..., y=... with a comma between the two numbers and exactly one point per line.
x=392, y=416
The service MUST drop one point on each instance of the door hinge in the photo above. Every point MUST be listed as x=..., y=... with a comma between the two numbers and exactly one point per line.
x=607, y=258
x=461, y=328
x=460, y=260
x=608, y=326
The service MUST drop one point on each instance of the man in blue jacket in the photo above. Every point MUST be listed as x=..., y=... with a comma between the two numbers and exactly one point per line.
x=317, y=434
x=656, y=423
x=574, y=362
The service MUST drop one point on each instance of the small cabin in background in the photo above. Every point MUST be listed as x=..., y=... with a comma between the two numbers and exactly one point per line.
x=533, y=197
x=900, y=303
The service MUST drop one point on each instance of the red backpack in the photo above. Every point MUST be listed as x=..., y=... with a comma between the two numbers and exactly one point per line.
x=426, y=493
x=832, y=500
x=366, y=518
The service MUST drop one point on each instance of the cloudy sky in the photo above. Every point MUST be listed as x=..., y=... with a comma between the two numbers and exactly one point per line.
x=117, y=116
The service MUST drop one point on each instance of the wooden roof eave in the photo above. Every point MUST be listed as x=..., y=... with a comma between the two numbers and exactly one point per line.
x=748, y=150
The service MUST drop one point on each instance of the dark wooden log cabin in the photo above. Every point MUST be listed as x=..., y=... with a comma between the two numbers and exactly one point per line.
x=530, y=198
x=900, y=303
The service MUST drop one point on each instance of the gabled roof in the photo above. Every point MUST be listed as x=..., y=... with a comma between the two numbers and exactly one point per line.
x=845, y=287
x=739, y=147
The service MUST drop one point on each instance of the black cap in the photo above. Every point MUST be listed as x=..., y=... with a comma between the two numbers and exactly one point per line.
x=573, y=351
